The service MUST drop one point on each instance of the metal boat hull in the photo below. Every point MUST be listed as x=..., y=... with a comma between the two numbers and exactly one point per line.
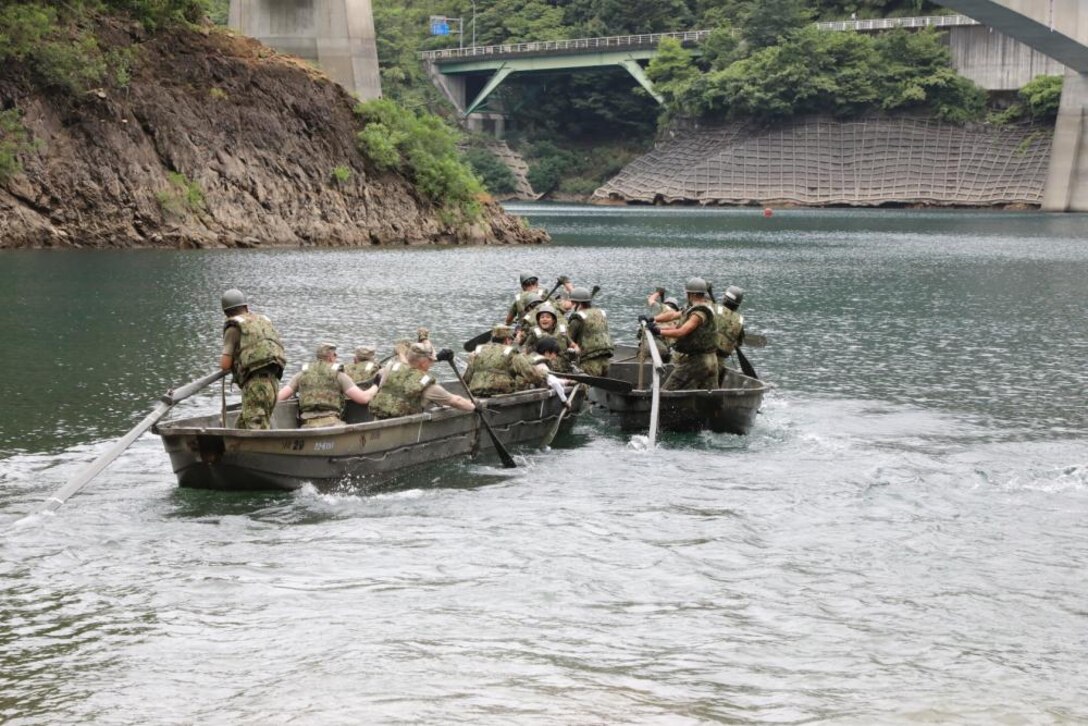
x=730, y=409
x=204, y=455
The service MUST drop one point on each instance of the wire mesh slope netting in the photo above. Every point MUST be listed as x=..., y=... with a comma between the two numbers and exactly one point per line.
x=822, y=161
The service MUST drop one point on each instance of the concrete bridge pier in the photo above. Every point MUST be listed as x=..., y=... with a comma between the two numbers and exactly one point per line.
x=337, y=35
x=1067, y=180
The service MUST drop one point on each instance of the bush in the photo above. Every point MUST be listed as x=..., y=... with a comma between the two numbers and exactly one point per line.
x=423, y=148
x=182, y=196
x=340, y=174
x=1042, y=96
x=14, y=140
x=495, y=175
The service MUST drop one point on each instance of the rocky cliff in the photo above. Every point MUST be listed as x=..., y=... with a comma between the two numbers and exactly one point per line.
x=213, y=140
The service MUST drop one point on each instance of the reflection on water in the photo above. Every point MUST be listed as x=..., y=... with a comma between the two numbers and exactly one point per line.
x=900, y=539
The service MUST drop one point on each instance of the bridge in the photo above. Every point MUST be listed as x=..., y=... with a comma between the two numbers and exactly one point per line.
x=337, y=35
x=1058, y=28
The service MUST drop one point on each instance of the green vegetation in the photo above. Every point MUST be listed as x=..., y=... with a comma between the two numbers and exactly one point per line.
x=495, y=175
x=423, y=148
x=1038, y=101
x=340, y=174
x=14, y=141
x=56, y=43
x=182, y=196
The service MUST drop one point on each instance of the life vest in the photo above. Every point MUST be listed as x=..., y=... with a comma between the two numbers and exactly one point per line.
x=493, y=370
x=319, y=390
x=728, y=325
x=593, y=339
x=259, y=349
x=362, y=373
x=401, y=393
x=704, y=338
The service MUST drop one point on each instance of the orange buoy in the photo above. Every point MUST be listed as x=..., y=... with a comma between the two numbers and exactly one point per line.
x=768, y=212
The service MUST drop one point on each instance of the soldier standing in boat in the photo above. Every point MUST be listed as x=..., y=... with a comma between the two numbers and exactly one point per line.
x=730, y=326
x=589, y=330
x=407, y=387
x=253, y=353
x=529, y=286
x=696, y=337
x=363, y=369
x=499, y=367
x=321, y=388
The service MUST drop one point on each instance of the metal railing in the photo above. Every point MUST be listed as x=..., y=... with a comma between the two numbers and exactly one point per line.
x=651, y=40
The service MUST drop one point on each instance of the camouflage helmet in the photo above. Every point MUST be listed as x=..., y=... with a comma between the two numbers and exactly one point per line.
x=546, y=308
x=581, y=295
x=733, y=297
x=535, y=298
x=232, y=298
x=364, y=352
x=418, y=352
x=696, y=285
x=502, y=331
x=324, y=349
x=672, y=303
x=527, y=279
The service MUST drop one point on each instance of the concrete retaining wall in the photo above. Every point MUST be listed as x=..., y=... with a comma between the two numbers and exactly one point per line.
x=822, y=161
x=995, y=61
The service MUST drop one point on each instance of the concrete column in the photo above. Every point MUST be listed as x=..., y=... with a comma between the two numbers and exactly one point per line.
x=1067, y=179
x=337, y=35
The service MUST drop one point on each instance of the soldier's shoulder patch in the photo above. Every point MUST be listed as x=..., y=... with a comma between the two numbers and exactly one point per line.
x=305, y=367
x=426, y=381
x=508, y=350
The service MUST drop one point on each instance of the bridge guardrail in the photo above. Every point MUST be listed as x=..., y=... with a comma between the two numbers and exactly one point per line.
x=689, y=36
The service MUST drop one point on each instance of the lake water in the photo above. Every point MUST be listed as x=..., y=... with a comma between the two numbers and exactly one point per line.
x=903, y=538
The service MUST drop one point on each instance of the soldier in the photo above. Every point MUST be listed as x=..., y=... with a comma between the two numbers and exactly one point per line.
x=253, y=353
x=499, y=367
x=730, y=326
x=589, y=330
x=521, y=300
x=661, y=312
x=547, y=324
x=423, y=335
x=321, y=388
x=545, y=359
x=407, y=387
x=696, y=338
x=364, y=368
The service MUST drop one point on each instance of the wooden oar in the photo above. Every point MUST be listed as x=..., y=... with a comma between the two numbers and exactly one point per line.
x=504, y=455
x=168, y=401
x=745, y=366
x=559, y=419
x=608, y=384
x=655, y=404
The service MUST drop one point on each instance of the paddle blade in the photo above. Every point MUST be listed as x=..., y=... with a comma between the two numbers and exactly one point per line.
x=471, y=345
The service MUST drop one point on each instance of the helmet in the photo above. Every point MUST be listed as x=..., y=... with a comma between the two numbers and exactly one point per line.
x=696, y=284
x=232, y=299
x=546, y=308
x=673, y=303
x=535, y=298
x=581, y=295
x=502, y=332
x=527, y=279
x=325, y=349
x=364, y=352
x=733, y=297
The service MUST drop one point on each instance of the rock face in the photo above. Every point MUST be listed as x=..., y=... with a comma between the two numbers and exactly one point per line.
x=216, y=141
x=823, y=161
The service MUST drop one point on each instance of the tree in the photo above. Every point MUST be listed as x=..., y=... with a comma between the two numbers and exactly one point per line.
x=768, y=21
x=672, y=71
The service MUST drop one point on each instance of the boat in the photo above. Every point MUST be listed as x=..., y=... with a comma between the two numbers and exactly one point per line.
x=205, y=454
x=731, y=409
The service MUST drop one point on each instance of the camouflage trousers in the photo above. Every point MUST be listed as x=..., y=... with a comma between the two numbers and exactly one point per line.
x=697, y=371
x=596, y=366
x=258, y=400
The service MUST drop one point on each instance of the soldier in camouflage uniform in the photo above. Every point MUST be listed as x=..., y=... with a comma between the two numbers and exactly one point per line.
x=407, y=387
x=363, y=369
x=322, y=388
x=253, y=353
x=696, y=338
x=547, y=324
x=589, y=330
x=423, y=336
x=729, y=326
x=499, y=367
x=530, y=289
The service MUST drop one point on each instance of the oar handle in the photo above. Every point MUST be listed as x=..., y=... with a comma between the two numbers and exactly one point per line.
x=176, y=395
